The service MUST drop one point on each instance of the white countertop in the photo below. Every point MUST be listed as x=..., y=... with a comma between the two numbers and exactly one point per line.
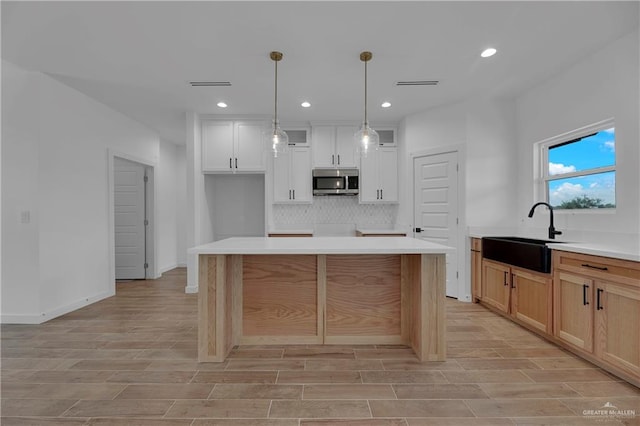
x=617, y=251
x=618, y=248
x=321, y=245
x=378, y=231
x=291, y=231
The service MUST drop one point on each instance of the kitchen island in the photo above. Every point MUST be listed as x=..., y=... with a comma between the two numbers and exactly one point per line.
x=321, y=290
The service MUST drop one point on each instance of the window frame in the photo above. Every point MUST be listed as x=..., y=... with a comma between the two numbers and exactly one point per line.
x=541, y=156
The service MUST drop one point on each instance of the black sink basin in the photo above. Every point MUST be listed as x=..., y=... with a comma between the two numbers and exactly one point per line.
x=527, y=253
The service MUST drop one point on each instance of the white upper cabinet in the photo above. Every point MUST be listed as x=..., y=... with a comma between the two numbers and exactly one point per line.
x=292, y=176
x=334, y=146
x=387, y=136
x=379, y=176
x=233, y=147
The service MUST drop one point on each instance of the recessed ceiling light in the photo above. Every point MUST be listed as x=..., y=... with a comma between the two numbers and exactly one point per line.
x=305, y=104
x=488, y=52
x=386, y=104
x=221, y=105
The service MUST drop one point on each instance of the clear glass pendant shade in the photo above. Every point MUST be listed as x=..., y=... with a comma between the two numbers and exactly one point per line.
x=278, y=139
x=367, y=139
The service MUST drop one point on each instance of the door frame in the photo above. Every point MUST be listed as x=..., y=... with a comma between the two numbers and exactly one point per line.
x=150, y=201
x=464, y=284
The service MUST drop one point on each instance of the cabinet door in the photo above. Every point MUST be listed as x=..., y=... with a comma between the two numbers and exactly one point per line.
x=573, y=310
x=249, y=147
x=388, y=174
x=346, y=146
x=496, y=285
x=369, y=188
x=531, y=299
x=476, y=270
x=281, y=173
x=300, y=175
x=217, y=146
x=323, y=142
x=617, y=339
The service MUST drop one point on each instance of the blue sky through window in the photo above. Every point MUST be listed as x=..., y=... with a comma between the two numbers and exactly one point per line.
x=590, y=152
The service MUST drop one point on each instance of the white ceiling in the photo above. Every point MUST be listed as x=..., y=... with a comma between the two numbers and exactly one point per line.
x=138, y=57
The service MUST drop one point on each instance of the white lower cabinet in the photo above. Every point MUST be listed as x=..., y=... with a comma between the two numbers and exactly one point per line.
x=292, y=176
x=379, y=176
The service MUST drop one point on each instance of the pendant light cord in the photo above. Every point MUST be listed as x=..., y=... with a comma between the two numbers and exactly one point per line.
x=365, y=92
x=275, y=106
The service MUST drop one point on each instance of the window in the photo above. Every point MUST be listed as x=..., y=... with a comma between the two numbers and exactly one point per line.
x=579, y=169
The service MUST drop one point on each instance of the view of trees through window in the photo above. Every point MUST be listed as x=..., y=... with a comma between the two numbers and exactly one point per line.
x=581, y=172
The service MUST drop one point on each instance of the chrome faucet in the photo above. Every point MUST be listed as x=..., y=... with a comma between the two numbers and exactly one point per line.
x=552, y=230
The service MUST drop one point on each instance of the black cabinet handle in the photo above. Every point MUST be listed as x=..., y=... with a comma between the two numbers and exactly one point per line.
x=294, y=194
x=600, y=268
x=377, y=194
x=381, y=195
x=230, y=164
x=333, y=159
x=584, y=294
x=505, y=278
x=598, y=306
x=236, y=163
x=289, y=194
x=513, y=281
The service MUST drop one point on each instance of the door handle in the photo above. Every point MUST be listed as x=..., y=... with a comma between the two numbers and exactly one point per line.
x=338, y=159
x=294, y=194
x=381, y=195
x=289, y=194
x=513, y=281
x=584, y=294
x=598, y=306
x=333, y=159
x=236, y=162
x=377, y=194
x=418, y=230
x=230, y=164
x=505, y=278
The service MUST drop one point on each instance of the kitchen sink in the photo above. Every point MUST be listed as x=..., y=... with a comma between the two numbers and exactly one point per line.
x=528, y=253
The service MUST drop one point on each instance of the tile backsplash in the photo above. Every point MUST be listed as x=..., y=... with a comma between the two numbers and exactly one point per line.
x=338, y=210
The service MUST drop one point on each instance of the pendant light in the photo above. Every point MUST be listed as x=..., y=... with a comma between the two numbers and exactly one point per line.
x=366, y=138
x=278, y=138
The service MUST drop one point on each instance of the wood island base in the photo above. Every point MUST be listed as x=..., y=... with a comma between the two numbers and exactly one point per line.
x=321, y=299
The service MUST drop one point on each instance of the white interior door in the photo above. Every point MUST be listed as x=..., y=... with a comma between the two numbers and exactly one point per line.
x=129, y=219
x=436, y=206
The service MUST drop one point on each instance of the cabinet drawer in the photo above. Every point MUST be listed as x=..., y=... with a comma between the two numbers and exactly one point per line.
x=622, y=271
x=476, y=244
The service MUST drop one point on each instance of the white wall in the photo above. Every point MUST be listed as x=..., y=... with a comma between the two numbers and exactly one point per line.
x=236, y=203
x=55, y=145
x=166, y=219
x=181, y=201
x=484, y=130
x=20, y=254
x=601, y=86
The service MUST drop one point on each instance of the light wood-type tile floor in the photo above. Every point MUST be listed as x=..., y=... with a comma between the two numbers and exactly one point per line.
x=131, y=360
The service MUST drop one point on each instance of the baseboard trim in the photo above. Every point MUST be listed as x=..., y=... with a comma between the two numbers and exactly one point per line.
x=54, y=313
x=168, y=268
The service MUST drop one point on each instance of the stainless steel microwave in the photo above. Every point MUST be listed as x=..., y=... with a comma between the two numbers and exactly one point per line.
x=335, y=182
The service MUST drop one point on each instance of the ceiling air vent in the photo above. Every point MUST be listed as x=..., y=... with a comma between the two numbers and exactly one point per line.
x=210, y=83
x=418, y=83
